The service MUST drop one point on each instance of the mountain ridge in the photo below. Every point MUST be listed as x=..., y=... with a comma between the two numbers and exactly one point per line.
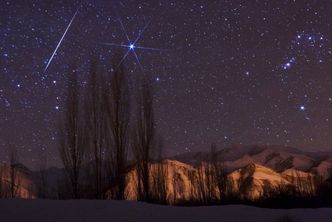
x=255, y=166
x=279, y=158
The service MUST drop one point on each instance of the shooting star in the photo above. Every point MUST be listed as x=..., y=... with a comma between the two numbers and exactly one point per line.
x=63, y=36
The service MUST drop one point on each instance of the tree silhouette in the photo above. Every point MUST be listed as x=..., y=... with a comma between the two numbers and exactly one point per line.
x=143, y=141
x=71, y=136
x=118, y=118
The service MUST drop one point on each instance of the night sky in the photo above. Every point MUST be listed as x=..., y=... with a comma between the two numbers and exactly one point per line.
x=227, y=71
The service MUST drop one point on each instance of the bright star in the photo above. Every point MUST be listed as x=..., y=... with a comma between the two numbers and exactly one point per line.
x=131, y=46
x=302, y=108
x=289, y=63
x=286, y=66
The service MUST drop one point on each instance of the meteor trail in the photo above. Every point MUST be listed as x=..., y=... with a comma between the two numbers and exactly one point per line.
x=63, y=36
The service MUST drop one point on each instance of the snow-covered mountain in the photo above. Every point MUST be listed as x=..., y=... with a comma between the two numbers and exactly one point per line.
x=185, y=182
x=178, y=177
x=249, y=171
x=278, y=158
x=254, y=180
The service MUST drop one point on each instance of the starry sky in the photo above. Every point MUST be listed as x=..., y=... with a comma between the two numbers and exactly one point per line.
x=226, y=71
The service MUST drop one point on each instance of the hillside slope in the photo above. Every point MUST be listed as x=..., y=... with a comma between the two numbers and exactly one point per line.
x=278, y=158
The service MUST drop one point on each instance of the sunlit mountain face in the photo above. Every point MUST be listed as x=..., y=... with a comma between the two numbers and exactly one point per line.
x=244, y=172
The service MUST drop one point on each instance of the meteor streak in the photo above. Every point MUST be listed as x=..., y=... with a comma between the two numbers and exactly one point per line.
x=63, y=36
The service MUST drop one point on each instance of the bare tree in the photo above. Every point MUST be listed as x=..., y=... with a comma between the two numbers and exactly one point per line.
x=2, y=182
x=159, y=177
x=42, y=183
x=220, y=174
x=71, y=142
x=245, y=181
x=211, y=179
x=13, y=173
x=213, y=171
x=95, y=126
x=201, y=184
x=143, y=140
x=117, y=101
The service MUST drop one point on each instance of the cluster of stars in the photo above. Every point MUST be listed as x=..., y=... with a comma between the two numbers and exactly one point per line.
x=289, y=63
x=305, y=48
x=308, y=47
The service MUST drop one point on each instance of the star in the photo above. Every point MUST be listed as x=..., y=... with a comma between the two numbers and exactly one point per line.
x=131, y=46
x=289, y=63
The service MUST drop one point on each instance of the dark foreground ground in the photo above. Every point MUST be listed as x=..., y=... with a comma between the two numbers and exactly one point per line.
x=98, y=210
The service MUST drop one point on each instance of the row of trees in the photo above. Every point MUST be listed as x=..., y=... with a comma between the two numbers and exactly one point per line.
x=100, y=132
x=209, y=184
